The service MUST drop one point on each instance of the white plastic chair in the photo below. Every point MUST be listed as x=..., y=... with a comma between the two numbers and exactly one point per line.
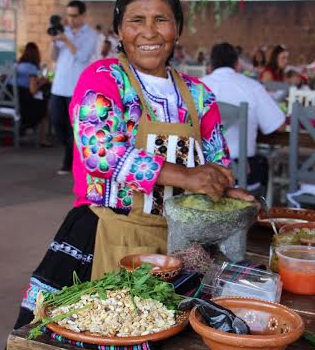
x=305, y=97
x=195, y=71
x=278, y=90
x=301, y=170
x=9, y=102
x=231, y=115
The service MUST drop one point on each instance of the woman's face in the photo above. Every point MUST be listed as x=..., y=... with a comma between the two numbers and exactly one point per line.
x=283, y=59
x=148, y=33
x=259, y=57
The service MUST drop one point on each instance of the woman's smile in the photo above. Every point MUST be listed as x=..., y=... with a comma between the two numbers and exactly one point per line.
x=149, y=48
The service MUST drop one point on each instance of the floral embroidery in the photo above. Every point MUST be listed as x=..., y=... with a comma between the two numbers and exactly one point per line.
x=94, y=108
x=202, y=97
x=215, y=149
x=95, y=189
x=101, y=149
x=124, y=197
x=143, y=171
x=209, y=98
x=35, y=286
x=144, y=168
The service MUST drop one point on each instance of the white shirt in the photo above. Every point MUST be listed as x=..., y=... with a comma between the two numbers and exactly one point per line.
x=97, y=55
x=160, y=92
x=69, y=66
x=263, y=112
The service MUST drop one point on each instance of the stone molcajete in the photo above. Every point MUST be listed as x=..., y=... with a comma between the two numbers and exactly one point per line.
x=225, y=224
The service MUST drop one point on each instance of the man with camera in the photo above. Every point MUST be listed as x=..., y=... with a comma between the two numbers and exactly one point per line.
x=72, y=48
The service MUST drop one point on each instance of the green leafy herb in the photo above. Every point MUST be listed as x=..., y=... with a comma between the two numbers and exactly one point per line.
x=310, y=337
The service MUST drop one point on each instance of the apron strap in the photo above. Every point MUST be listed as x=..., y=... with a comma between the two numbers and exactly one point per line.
x=189, y=101
x=134, y=82
x=182, y=86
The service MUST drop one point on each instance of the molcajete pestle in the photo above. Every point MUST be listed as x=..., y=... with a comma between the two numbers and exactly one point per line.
x=227, y=227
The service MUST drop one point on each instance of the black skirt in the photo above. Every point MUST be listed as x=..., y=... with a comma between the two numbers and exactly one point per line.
x=32, y=109
x=71, y=250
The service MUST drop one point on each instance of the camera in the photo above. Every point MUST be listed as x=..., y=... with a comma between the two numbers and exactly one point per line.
x=55, y=26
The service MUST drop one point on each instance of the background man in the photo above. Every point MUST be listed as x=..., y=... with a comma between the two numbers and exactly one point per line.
x=263, y=113
x=72, y=50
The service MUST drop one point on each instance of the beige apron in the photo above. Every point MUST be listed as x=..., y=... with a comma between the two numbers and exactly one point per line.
x=139, y=232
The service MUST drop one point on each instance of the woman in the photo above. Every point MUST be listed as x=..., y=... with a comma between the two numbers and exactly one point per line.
x=33, y=110
x=259, y=61
x=139, y=129
x=274, y=70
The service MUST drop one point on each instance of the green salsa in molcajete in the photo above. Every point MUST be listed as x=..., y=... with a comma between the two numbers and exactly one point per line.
x=204, y=203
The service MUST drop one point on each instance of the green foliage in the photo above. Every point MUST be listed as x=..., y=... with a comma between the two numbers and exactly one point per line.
x=221, y=10
x=140, y=283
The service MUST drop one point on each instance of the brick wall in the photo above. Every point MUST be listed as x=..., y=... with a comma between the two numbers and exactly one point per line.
x=258, y=24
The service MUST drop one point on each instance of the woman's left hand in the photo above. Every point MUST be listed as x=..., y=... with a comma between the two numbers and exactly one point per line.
x=240, y=193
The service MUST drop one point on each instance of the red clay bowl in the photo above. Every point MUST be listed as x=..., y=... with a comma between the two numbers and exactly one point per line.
x=285, y=216
x=165, y=267
x=273, y=326
x=299, y=227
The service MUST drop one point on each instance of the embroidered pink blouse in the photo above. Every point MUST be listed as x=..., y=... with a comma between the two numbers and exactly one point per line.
x=105, y=112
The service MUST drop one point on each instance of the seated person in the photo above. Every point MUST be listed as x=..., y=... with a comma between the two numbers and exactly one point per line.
x=263, y=113
x=107, y=49
x=33, y=106
x=294, y=78
x=259, y=61
x=275, y=67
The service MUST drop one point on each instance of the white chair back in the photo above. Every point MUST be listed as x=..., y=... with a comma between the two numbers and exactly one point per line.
x=9, y=101
x=231, y=115
x=305, y=97
x=278, y=90
x=194, y=70
x=301, y=170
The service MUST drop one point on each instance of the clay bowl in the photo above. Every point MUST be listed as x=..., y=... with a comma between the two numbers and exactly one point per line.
x=273, y=326
x=285, y=216
x=286, y=237
x=165, y=267
x=299, y=227
x=92, y=338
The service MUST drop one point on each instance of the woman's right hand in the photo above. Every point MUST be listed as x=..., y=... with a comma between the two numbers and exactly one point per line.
x=210, y=179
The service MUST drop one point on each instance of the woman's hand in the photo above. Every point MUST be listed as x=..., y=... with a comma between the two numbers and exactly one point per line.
x=210, y=179
x=240, y=193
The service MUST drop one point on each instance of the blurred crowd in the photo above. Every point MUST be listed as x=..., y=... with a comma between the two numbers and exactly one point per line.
x=45, y=94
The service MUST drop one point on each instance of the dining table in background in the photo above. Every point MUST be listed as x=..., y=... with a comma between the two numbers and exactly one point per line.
x=283, y=139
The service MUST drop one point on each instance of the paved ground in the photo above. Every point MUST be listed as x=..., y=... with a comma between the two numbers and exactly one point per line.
x=33, y=202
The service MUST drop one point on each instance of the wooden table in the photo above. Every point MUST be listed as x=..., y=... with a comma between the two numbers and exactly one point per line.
x=258, y=249
x=283, y=139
